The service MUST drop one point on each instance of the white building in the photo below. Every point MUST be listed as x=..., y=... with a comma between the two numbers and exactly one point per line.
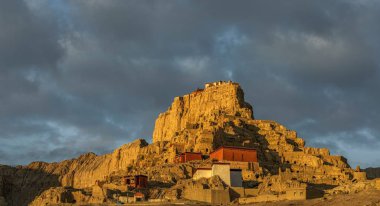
x=232, y=177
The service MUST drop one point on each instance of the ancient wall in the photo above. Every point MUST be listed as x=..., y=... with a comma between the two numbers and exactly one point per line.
x=223, y=171
x=202, y=173
x=220, y=197
x=192, y=156
x=360, y=176
x=289, y=194
x=235, y=154
x=217, y=155
x=213, y=196
x=198, y=194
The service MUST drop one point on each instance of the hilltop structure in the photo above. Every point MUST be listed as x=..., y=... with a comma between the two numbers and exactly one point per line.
x=267, y=160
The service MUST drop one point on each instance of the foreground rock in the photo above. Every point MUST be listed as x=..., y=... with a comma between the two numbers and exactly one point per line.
x=369, y=197
x=201, y=122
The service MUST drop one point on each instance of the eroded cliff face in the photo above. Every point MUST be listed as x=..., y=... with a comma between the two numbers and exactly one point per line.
x=83, y=171
x=218, y=115
x=201, y=107
x=200, y=122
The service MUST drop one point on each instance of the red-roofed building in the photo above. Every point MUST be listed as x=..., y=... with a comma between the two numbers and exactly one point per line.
x=188, y=156
x=229, y=153
x=136, y=181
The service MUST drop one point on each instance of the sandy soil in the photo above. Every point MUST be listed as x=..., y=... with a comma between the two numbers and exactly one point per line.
x=368, y=198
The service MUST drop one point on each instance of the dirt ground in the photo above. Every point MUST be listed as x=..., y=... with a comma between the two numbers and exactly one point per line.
x=365, y=198
x=368, y=198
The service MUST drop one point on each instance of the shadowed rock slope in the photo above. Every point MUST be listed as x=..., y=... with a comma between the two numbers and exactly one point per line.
x=200, y=122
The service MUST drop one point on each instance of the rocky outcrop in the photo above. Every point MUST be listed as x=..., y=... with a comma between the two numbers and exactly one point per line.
x=85, y=170
x=59, y=195
x=201, y=122
x=198, y=123
x=200, y=108
x=26, y=182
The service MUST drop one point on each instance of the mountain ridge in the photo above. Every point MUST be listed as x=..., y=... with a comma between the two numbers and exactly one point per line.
x=201, y=121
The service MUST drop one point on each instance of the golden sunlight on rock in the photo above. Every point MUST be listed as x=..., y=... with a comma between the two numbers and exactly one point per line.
x=208, y=148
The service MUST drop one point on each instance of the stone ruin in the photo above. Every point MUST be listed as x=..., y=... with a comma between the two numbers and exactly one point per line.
x=199, y=122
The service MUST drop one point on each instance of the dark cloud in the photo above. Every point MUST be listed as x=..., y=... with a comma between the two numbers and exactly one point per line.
x=79, y=76
x=27, y=39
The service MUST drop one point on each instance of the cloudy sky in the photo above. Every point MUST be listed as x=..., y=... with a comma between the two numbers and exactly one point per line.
x=80, y=76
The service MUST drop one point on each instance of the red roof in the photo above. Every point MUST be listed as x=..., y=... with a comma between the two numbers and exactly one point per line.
x=233, y=147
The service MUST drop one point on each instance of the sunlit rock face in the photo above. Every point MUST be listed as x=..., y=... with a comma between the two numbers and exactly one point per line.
x=201, y=122
x=200, y=108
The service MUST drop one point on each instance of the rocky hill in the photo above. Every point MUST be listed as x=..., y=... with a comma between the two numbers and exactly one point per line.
x=201, y=108
x=197, y=122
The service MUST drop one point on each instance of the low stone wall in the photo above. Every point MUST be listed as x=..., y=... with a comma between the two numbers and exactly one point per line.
x=360, y=176
x=251, y=191
x=198, y=194
x=293, y=194
x=261, y=198
x=220, y=196
x=237, y=192
x=208, y=195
